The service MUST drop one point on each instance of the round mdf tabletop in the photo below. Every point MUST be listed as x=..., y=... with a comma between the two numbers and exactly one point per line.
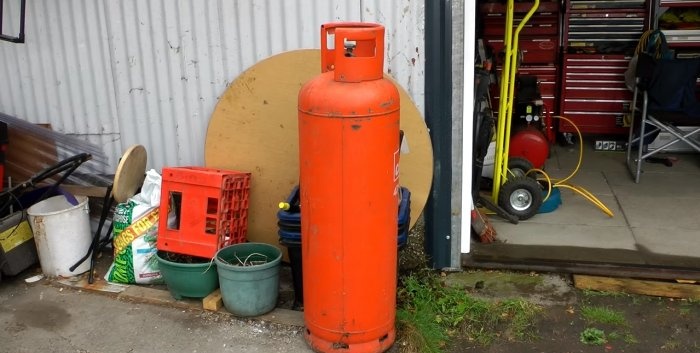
x=254, y=129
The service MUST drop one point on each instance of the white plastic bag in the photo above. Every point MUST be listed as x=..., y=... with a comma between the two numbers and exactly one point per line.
x=150, y=191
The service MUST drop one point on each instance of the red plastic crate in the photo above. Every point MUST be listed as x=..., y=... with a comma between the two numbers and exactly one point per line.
x=211, y=209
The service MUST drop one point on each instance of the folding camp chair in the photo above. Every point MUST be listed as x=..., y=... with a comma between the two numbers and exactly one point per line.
x=666, y=88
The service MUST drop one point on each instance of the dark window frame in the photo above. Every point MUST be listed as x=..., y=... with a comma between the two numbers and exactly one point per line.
x=20, y=36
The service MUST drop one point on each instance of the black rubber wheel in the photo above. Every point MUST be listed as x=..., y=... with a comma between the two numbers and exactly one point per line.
x=521, y=197
x=519, y=166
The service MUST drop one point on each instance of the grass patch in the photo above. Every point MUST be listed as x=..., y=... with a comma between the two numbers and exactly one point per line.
x=419, y=332
x=589, y=293
x=636, y=301
x=429, y=314
x=626, y=337
x=671, y=344
x=629, y=338
x=687, y=307
x=602, y=315
x=522, y=316
x=605, y=316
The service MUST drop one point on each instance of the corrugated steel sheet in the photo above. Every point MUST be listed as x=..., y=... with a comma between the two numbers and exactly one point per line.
x=62, y=74
x=405, y=32
x=121, y=72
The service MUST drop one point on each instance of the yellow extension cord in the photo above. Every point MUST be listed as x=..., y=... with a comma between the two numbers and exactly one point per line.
x=641, y=46
x=562, y=183
x=644, y=43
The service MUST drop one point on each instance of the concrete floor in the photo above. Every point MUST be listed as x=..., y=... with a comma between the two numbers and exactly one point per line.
x=47, y=317
x=655, y=223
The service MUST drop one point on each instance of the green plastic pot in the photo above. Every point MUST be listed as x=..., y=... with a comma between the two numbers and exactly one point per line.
x=250, y=289
x=191, y=280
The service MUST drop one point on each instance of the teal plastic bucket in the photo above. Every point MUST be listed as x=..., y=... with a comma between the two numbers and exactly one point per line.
x=249, y=277
x=191, y=280
x=552, y=203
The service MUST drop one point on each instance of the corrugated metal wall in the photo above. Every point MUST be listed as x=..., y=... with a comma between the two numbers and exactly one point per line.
x=120, y=72
x=62, y=74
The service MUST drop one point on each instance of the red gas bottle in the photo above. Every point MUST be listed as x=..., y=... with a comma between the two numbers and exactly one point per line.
x=349, y=181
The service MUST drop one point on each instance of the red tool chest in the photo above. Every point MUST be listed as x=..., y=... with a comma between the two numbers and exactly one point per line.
x=594, y=95
x=604, y=26
x=546, y=24
x=533, y=51
x=580, y=49
x=599, y=38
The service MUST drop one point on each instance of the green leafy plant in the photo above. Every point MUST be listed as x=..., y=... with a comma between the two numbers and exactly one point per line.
x=593, y=336
x=419, y=330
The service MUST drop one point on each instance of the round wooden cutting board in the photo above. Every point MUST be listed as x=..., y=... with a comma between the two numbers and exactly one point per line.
x=130, y=173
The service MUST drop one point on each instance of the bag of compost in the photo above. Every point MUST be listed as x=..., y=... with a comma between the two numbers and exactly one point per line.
x=135, y=252
x=135, y=228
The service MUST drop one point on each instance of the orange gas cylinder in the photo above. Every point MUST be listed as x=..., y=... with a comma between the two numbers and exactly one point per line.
x=349, y=182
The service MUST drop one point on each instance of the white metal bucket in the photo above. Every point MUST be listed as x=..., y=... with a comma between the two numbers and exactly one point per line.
x=62, y=234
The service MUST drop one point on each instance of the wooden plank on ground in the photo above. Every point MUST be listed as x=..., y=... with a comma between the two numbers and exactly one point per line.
x=97, y=286
x=636, y=286
x=156, y=296
x=284, y=316
x=481, y=261
x=213, y=301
